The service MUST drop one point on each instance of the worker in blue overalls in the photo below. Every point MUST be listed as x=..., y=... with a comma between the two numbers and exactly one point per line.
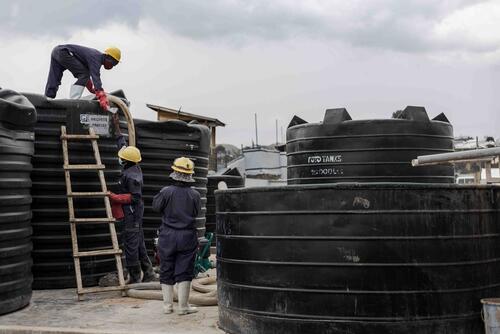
x=85, y=65
x=132, y=205
x=179, y=205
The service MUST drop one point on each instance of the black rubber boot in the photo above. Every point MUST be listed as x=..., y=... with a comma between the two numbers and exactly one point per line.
x=134, y=274
x=147, y=269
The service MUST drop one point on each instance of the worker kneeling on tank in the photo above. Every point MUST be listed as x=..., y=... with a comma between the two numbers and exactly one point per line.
x=179, y=205
x=85, y=65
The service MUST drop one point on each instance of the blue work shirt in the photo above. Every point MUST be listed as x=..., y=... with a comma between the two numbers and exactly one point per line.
x=179, y=206
x=131, y=182
x=91, y=58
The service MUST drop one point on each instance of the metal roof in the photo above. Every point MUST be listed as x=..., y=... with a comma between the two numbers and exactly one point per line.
x=178, y=113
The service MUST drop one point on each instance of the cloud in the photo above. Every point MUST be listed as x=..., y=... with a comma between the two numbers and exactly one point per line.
x=421, y=26
x=62, y=18
x=213, y=60
x=476, y=26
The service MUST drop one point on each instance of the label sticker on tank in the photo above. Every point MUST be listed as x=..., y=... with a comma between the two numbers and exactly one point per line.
x=326, y=171
x=318, y=159
x=100, y=123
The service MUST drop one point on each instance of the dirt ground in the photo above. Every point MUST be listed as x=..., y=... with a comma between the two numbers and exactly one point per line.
x=58, y=311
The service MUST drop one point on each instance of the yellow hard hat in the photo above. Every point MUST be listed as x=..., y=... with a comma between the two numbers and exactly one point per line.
x=130, y=153
x=114, y=52
x=183, y=165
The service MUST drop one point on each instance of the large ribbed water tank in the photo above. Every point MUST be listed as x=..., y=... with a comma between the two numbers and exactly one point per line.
x=17, y=115
x=160, y=144
x=340, y=149
x=52, y=251
x=231, y=179
x=357, y=258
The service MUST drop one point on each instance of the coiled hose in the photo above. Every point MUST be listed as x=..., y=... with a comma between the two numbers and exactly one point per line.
x=205, y=291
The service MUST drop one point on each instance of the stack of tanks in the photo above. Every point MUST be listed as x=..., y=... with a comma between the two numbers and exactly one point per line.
x=359, y=241
x=160, y=143
x=53, y=266
x=17, y=117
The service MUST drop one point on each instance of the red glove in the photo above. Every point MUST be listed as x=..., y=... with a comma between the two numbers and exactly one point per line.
x=117, y=211
x=103, y=100
x=120, y=198
x=90, y=86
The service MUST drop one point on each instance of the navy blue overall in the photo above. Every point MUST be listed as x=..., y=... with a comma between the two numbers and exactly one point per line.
x=132, y=234
x=178, y=242
x=82, y=62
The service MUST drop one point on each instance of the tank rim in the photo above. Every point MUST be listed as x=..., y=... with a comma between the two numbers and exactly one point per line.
x=357, y=185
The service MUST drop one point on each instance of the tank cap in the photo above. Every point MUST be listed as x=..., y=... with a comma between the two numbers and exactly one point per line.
x=16, y=109
x=442, y=118
x=280, y=147
x=296, y=120
x=222, y=185
x=337, y=115
x=412, y=113
x=232, y=172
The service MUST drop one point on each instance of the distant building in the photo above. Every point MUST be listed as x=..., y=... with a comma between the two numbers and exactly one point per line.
x=470, y=171
x=470, y=143
x=165, y=114
x=261, y=166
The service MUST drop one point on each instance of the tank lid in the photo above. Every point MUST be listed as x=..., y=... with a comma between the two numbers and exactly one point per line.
x=336, y=115
x=232, y=172
x=412, y=113
x=442, y=118
x=280, y=147
x=296, y=120
x=16, y=109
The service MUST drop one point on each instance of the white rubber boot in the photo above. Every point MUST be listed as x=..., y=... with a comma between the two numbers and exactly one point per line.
x=76, y=91
x=183, y=289
x=168, y=298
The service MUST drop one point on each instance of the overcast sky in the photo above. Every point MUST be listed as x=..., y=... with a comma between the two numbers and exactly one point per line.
x=229, y=59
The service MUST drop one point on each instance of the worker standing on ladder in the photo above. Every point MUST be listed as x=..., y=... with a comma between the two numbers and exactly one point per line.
x=179, y=205
x=131, y=208
x=85, y=65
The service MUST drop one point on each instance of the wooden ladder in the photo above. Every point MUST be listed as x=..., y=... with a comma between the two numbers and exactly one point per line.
x=115, y=250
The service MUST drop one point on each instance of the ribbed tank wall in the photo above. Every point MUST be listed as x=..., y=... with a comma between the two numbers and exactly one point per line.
x=357, y=258
x=52, y=251
x=16, y=150
x=343, y=150
x=160, y=144
x=231, y=181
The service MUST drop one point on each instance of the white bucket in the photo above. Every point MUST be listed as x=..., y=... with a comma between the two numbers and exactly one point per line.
x=491, y=315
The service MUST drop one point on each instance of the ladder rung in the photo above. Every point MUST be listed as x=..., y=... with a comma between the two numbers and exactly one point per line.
x=77, y=137
x=76, y=167
x=92, y=220
x=95, y=289
x=98, y=252
x=88, y=194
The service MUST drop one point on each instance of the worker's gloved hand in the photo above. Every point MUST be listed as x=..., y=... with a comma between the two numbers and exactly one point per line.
x=90, y=86
x=103, y=100
x=120, y=198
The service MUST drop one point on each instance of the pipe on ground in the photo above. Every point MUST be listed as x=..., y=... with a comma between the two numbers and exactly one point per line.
x=204, y=294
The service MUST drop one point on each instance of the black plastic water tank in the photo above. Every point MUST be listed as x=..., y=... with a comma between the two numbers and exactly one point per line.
x=380, y=150
x=17, y=115
x=357, y=258
x=52, y=252
x=232, y=179
x=160, y=144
